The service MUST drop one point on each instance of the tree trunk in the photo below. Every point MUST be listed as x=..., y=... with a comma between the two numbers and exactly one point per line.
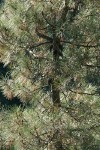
x=55, y=80
x=55, y=95
x=55, y=84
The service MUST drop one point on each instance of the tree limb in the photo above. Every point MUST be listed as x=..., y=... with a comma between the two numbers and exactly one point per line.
x=81, y=45
x=92, y=66
x=47, y=20
x=83, y=93
x=41, y=35
x=64, y=12
x=37, y=45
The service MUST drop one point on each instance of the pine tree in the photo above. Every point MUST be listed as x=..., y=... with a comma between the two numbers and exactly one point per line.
x=52, y=50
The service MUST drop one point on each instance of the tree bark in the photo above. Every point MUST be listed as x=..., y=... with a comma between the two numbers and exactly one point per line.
x=55, y=80
x=55, y=84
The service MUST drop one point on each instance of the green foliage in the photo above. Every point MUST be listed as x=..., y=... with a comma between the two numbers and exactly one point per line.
x=29, y=32
x=78, y=126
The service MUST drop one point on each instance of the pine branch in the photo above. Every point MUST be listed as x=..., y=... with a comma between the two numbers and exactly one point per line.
x=84, y=129
x=37, y=45
x=81, y=45
x=91, y=66
x=64, y=12
x=47, y=20
x=76, y=9
x=41, y=35
x=83, y=93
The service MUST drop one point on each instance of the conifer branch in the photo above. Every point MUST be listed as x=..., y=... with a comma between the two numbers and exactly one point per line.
x=81, y=45
x=47, y=20
x=83, y=93
x=41, y=35
x=32, y=46
x=91, y=66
